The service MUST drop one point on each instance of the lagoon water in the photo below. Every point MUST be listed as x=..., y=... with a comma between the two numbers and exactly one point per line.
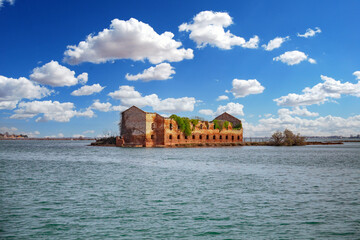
x=68, y=190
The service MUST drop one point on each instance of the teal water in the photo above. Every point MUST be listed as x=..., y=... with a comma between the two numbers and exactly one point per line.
x=67, y=190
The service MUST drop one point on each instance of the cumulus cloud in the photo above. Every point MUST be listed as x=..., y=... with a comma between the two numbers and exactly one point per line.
x=310, y=33
x=9, y=1
x=130, y=39
x=162, y=71
x=88, y=90
x=222, y=97
x=299, y=111
x=235, y=109
x=357, y=74
x=242, y=88
x=49, y=111
x=293, y=57
x=12, y=90
x=103, y=107
x=321, y=126
x=207, y=28
x=320, y=93
x=129, y=96
x=275, y=43
x=55, y=75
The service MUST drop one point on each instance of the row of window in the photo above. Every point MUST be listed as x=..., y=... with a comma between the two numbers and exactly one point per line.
x=200, y=127
x=226, y=137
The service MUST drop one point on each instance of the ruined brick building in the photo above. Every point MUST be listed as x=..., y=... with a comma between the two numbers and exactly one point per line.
x=143, y=129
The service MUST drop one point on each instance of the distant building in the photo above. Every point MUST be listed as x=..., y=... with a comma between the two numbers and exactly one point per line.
x=143, y=129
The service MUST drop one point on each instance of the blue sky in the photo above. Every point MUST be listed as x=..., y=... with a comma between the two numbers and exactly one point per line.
x=68, y=68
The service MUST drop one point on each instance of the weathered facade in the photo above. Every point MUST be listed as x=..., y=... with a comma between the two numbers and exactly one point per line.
x=142, y=129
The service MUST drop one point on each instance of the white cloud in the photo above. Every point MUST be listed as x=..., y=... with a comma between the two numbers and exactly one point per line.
x=88, y=131
x=83, y=78
x=9, y=1
x=55, y=75
x=60, y=135
x=321, y=126
x=88, y=90
x=235, y=109
x=103, y=107
x=242, y=88
x=357, y=74
x=129, y=96
x=312, y=61
x=14, y=130
x=299, y=111
x=12, y=90
x=119, y=108
x=78, y=136
x=252, y=43
x=162, y=71
x=320, y=93
x=222, y=97
x=130, y=39
x=293, y=57
x=275, y=43
x=208, y=28
x=10, y=130
x=310, y=33
x=51, y=111
x=207, y=112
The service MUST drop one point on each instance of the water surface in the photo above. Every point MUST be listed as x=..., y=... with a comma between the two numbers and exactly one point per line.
x=68, y=190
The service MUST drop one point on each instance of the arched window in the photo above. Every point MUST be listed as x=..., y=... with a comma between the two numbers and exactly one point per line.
x=200, y=126
x=193, y=136
x=207, y=137
x=214, y=137
x=171, y=126
x=178, y=137
x=238, y=137
x=152, y=126
x=220, y=137
x=226, y=137
x=200, y=136
x=170, y=137
x=152, y=136
x=232, y=138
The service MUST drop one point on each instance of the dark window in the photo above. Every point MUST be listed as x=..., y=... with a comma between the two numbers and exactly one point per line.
x=200, y=137
x=170, y=136
x=152, y=126
x=178, y=136
x=232, y=138
x=226, y=137
x=238, y=137
x=171, y=126
x=152, y=136
x=178, y=127
x=220, y=137
x=185, y=137
x=207, y=137
x=214, y=137
x=200, y=126
x=214, y=126
x=193, y=136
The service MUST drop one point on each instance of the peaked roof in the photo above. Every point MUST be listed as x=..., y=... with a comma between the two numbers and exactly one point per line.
x=134, y=107
x=225, y=114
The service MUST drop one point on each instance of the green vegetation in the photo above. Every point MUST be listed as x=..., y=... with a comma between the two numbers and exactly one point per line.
x=238, y=126
x=218, y=125
x=288, y=138
x=226, y=124
x=184, y=124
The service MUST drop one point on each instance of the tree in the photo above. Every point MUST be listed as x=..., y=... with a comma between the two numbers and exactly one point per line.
x=288, y=138
x=277, y=138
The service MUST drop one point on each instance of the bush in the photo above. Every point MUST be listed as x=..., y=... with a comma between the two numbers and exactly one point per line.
x=226, y=124
x=238, y=126
x=288, y=138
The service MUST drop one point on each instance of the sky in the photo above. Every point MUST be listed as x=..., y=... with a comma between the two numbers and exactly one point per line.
x=69, y=68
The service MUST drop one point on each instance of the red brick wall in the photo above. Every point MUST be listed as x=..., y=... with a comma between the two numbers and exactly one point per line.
x=133, y=127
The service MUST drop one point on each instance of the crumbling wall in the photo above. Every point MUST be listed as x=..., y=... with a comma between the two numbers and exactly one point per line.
x=133, y=127
x=154, y=130
x=202, y=133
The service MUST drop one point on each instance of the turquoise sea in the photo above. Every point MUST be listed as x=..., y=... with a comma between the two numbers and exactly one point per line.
x=68, y=190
